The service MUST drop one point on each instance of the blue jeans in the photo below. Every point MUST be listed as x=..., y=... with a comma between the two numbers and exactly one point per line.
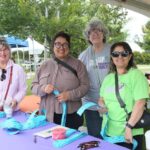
x=93, y=122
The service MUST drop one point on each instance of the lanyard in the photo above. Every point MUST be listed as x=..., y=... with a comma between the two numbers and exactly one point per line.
x=9, y=82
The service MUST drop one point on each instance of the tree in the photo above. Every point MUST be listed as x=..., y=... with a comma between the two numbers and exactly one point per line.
x=138, y=57
x=146, y=37
x=46, y=17
x=18, y=17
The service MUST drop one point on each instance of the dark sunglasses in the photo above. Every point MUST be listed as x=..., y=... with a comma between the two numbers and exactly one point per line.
x=3, y=75
x=88, y=145
x=123, y=53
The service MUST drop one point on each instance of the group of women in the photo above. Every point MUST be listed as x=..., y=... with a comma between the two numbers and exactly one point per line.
x=91, y=77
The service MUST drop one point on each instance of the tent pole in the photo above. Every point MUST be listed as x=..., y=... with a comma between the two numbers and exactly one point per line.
x=18, y=54
x=34, y=54
x=45, y=45
x=29, y=61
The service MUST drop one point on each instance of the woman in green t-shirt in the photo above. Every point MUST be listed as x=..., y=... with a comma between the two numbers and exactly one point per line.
x=133, y=89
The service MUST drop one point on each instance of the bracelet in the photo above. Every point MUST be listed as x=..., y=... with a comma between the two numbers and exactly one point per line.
x=129, y=125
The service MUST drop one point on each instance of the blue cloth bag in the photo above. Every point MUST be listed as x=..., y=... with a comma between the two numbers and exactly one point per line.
x=11, y=126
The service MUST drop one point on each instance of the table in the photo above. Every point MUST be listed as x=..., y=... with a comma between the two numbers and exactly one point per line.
x=25, y=139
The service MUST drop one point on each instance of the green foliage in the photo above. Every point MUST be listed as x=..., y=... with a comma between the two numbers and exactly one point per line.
x=138, y=57
x=142, y=58
x=145, y=44
x=113, y=17
x=146, y=38
x=46, y=17
x=18, y=17
x=146, y=57
x=29, y=81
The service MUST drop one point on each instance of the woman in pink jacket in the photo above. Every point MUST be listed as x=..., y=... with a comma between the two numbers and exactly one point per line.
x=12, y=79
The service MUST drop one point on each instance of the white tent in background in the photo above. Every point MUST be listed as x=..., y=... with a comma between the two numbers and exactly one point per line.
x=35, y=48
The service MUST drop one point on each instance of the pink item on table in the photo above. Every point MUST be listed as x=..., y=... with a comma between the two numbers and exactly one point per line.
x=58, y=134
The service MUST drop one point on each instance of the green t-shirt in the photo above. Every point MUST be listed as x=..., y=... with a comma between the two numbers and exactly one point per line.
x=133, y=86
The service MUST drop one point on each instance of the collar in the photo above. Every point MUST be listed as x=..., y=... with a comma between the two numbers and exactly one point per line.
x=9, y=64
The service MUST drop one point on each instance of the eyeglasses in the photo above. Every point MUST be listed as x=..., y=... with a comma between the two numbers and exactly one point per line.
x=117, y=54
x=3, y=50
x=59, y=45
x=95, y=31
x=3, y=76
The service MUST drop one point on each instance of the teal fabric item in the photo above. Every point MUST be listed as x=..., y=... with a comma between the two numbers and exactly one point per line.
x=2, y=114
x=35, y=121
x=115, y=139
x=11, y=126
x=68, y=140
x=64, y=108
x=69, y=132
x=86, y=106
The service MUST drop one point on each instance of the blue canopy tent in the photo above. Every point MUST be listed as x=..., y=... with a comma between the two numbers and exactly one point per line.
x=15, y=42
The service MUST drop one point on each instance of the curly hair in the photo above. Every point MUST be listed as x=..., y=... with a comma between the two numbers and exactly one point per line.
x=95, y=23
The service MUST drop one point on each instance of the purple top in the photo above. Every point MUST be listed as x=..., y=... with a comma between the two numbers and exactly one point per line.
x=25, y=140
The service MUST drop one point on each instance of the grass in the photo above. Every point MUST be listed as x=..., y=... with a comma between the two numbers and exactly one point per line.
x=29, y=82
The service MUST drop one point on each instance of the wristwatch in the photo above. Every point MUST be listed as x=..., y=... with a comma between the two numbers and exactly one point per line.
x=129, y=125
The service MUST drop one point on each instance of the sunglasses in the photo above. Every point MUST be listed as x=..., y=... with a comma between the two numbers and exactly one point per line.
x=3, y=75
x=117, y=54
x=88, y=145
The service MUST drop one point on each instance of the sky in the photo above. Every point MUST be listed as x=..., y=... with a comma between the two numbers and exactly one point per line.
x=134, y=28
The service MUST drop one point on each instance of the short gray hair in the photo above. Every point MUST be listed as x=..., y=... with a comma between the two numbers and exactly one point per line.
x=4, y=43
x=95, y=23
